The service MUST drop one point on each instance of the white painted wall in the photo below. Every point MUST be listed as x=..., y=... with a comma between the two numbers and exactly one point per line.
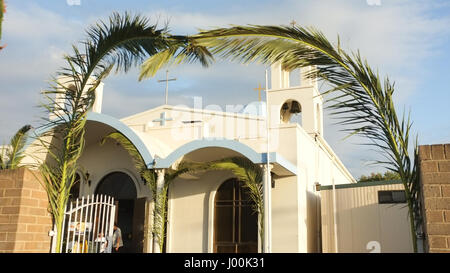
x=361, y=220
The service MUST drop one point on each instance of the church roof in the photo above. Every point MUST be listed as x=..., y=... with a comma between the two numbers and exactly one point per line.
x=156, y=147
x=254, y=109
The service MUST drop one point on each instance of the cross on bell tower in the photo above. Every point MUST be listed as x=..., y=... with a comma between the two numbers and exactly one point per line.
x=259, y=89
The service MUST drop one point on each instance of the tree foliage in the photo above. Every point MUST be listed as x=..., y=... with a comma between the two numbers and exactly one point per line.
x=121, y=42
x=387, y=176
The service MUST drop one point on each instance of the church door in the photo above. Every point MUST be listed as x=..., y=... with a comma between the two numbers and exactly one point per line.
x=120, y=186
x=235, y=222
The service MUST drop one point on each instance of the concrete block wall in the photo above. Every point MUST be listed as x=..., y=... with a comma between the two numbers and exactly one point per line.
x=24, y=217
x=434, y=163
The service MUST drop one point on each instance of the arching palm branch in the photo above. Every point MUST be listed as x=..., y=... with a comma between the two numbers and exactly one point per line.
x=362, y=100
x=12, y=154
x=183, y=49
x=123, y=41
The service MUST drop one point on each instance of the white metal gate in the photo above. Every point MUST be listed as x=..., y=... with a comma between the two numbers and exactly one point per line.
x=88, y=225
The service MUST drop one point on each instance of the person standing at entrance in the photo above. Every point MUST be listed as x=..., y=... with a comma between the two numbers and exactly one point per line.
x=117, y=239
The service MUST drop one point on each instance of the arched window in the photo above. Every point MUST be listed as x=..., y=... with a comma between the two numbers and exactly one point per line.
x=235, y=222
x=291, y=112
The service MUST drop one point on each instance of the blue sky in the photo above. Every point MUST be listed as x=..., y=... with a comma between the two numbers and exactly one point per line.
x=405, y=39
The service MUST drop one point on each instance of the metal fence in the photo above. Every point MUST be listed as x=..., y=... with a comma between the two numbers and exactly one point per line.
x=88, y=225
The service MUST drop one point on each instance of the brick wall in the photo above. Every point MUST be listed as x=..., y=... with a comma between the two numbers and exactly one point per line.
x=24, y=217
x=434, y=163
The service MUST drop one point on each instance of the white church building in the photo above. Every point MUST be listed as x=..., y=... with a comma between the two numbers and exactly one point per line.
x=207, y=212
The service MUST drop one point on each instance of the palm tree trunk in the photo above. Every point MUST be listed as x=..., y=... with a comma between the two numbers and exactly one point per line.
x=158, y=214
x=58, y=223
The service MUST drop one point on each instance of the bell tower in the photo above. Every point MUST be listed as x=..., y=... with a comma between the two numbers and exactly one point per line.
x=303, y=100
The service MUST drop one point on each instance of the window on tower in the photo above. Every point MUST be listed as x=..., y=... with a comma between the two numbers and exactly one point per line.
x=291, y=112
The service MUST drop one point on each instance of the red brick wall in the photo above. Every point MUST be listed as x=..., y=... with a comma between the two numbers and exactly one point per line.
x=24, y=217
x=434, y=163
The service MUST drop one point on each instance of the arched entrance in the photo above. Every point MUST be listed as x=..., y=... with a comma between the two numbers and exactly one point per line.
x=121, y=186
x=235, y=222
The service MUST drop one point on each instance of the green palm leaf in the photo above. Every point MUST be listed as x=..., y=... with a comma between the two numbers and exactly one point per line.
x=120, y=43
x=364, y=102
x=17, y=144
x=359, y=98
x=12, y=155
x=182, y=49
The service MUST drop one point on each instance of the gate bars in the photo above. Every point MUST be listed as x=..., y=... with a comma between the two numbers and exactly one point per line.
x=88, y=225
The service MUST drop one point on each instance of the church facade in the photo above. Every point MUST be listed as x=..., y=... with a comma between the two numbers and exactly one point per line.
x=210, y=212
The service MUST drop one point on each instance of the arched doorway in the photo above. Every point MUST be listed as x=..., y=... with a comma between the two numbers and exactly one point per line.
x=121, y=186
x=235, y=222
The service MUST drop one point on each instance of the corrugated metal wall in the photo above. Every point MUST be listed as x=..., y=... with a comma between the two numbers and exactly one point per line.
x=363, y=225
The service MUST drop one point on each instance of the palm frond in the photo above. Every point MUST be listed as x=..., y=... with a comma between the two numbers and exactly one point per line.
x=182, y=49
x=121, y=42
x=363, y=102
x=11, y=155
x=17, y=145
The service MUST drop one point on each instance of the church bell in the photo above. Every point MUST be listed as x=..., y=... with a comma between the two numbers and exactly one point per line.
x=295, y=107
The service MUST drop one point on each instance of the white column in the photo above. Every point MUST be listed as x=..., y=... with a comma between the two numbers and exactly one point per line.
x=159, y=186
x=267, y=196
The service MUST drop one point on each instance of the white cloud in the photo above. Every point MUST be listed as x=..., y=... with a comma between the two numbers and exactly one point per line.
x=37, y=24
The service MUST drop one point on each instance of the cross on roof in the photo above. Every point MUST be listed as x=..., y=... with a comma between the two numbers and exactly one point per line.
x=162, y=119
